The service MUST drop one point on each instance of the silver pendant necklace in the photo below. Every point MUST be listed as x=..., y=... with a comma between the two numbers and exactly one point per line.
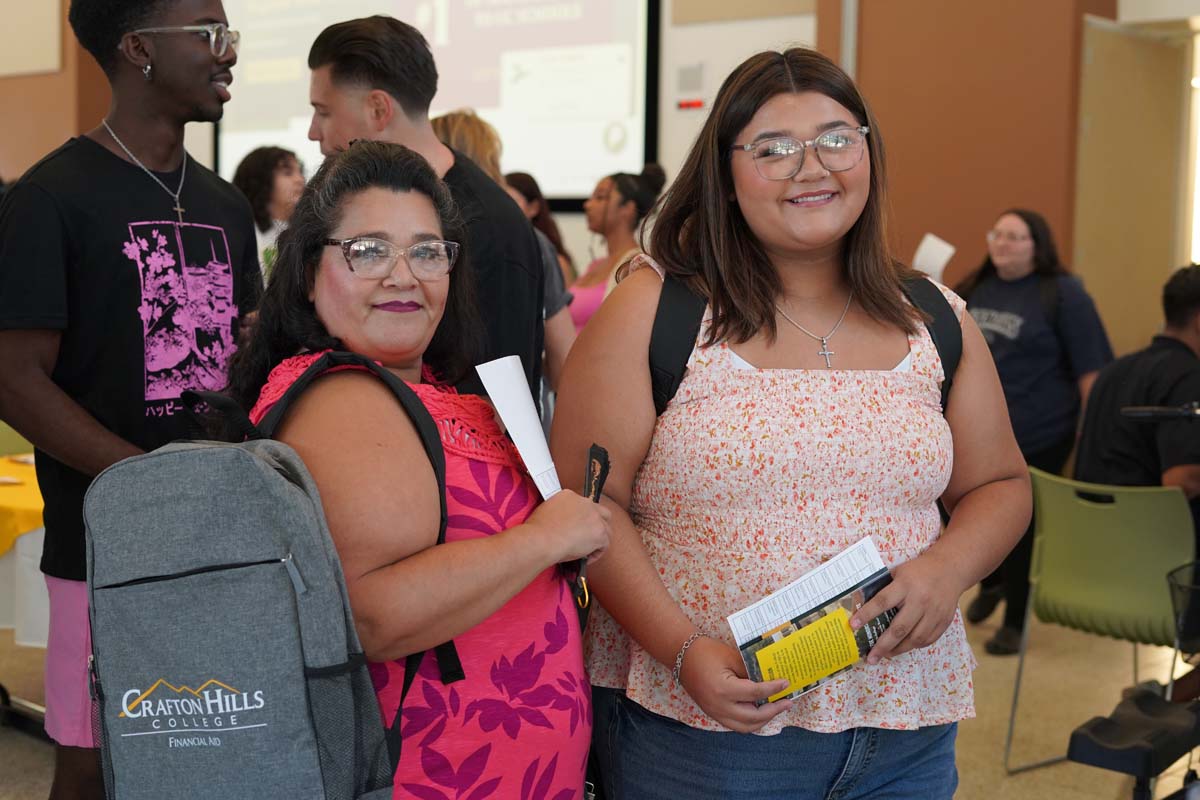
x=825, y=352
x=178, y=209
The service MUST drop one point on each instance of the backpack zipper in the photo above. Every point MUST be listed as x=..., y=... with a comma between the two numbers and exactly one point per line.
x=293, y=573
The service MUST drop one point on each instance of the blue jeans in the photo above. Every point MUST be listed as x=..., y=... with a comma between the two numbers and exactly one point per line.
x=644, y=756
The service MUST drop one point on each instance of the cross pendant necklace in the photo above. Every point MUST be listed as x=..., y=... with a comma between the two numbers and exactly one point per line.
x=824, y=352
x=178, y=207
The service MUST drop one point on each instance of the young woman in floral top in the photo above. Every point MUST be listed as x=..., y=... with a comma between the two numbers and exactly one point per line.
x=809, y=418
x=365, y=266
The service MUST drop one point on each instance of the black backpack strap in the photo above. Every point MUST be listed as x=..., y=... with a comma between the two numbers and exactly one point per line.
x=449, y=664
x=944, y=327
x=224, y=405
x=676, y=326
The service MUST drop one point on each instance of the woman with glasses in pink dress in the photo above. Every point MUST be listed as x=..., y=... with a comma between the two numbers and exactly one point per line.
x=370, y=263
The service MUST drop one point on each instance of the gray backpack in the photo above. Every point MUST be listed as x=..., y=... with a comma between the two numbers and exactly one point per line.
x=225, y=660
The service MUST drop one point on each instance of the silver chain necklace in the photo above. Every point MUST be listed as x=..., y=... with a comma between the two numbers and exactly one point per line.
x=178, y=209
x=824, y=340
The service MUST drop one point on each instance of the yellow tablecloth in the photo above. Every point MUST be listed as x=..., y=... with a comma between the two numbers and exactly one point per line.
x=20, y=504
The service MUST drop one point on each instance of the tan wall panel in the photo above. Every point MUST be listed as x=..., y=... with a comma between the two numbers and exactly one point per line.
x=38, y=47
x=41, y=111
x=1130, y=164
x=52, y=107
x=688, y=12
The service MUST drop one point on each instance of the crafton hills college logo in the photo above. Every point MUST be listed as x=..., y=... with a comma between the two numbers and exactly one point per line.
x=179, y=712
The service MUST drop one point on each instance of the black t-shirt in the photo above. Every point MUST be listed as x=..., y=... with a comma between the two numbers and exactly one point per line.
x=507, y=266
x=147, y=306
x=1125, y=452
x=1040, y=359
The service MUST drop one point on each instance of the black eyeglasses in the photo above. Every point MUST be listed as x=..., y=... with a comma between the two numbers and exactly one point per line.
x=376, y=258
x=220, y=38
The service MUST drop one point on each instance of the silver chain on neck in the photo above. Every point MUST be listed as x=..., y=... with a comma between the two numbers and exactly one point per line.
x=182, y=173
x=824, y=352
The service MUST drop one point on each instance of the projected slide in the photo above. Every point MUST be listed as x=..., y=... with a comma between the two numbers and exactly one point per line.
x=562, y=80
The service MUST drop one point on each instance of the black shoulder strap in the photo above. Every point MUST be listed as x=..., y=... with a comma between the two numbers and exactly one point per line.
x=449, y=664
x=676, y=326
x=944, y=327
x=224, y=405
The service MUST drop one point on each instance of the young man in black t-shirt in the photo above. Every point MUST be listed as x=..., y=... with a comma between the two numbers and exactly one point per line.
x=125, y=267
x=374, y=78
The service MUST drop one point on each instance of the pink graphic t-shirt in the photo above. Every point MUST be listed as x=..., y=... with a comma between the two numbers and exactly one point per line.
x=520, y=724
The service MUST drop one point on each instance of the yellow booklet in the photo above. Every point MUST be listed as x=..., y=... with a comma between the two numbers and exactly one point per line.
x=802, y=632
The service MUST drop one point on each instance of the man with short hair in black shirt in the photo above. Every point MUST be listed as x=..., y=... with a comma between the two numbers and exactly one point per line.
x=1119, y=451
x=124, y=269
x=374, y=78
x=1125, y=452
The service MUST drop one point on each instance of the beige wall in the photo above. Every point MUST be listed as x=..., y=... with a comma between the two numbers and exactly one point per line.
x=978, y=103
x=43, y=111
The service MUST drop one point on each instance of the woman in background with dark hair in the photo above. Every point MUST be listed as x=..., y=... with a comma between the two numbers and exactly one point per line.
x=616, y=209
x=272, y=179
x=367, y=265
x=1048, y=344
x=777, y=452
x=525, y=191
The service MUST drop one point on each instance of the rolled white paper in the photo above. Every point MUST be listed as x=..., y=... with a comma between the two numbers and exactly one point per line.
x=508, y=389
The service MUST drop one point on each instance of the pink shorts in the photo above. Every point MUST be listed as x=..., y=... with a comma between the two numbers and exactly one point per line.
x=68, y=698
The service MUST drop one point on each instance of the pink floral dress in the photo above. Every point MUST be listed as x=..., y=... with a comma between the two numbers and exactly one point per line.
x=520, y=724
x=755, y=476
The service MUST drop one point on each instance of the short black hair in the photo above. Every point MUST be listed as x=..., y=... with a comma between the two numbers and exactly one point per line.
x=100, y=24
x=379, y=52
x=255, y=178
x=1181, y=296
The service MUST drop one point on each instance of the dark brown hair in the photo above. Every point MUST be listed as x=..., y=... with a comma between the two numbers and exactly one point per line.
x=379, y=52
x=255, y=178
x=703, y=239
x=1045, y=252
x=527, y=185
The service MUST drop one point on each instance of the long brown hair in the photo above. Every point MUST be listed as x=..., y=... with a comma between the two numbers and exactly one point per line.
x=703, y=239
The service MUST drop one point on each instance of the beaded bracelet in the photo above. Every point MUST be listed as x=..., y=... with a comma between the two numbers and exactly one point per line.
x=691, y=640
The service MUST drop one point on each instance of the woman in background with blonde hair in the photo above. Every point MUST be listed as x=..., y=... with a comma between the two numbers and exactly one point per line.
x=468, y=133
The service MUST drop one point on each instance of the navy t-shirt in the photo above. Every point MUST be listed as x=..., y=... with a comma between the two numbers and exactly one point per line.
x=1039, y=359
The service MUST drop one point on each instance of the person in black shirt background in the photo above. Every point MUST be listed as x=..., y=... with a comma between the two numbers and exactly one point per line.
x=374, y=78
x=1125, y=452
x=124, y=269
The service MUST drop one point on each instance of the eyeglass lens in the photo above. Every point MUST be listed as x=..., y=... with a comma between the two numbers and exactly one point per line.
x=1005, y=236
x=375, y=258
x=220, y=39
x=837, y=151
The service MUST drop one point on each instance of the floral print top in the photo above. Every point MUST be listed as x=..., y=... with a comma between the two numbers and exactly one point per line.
x=755, y=476
x=520, y=724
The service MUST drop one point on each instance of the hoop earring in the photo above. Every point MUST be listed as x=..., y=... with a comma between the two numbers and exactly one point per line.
x=146, y=72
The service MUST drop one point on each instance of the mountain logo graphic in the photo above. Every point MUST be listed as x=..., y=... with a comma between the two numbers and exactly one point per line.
x=166, y=699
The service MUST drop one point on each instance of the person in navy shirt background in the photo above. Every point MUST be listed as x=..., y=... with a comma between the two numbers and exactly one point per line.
x=1048, y=344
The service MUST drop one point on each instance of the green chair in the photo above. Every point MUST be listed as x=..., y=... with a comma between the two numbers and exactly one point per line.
x=1101, y=555
x=12, y=442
